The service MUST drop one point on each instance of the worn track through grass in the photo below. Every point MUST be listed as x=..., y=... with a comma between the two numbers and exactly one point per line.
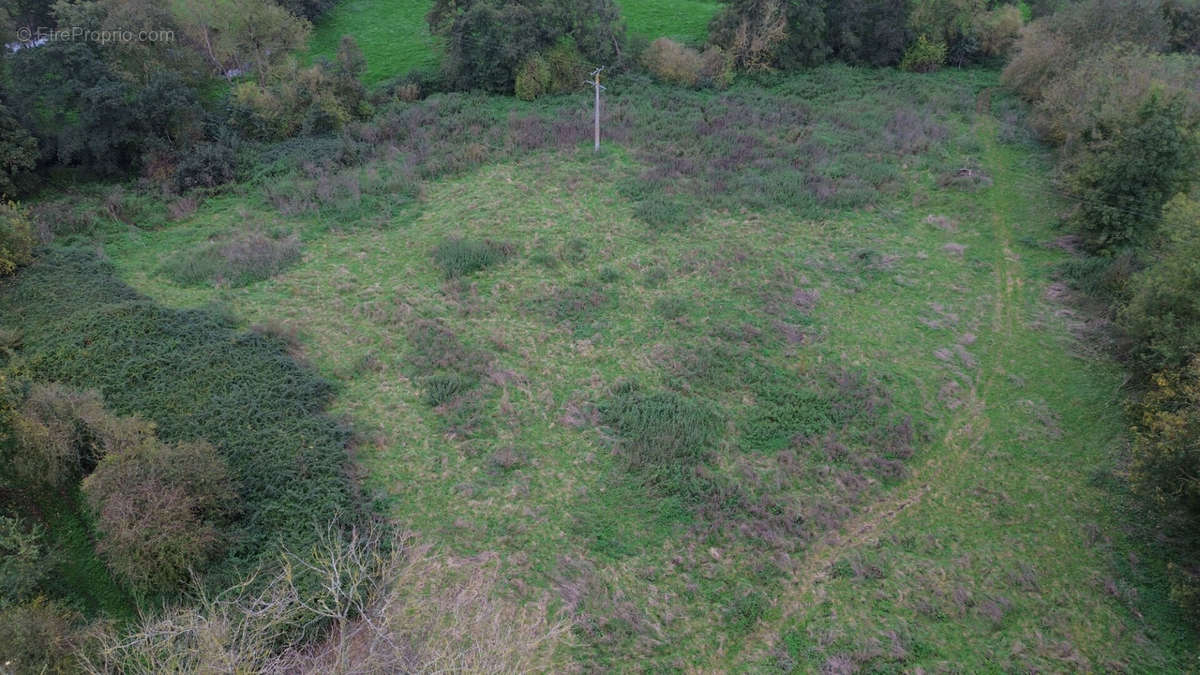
x=964, y=434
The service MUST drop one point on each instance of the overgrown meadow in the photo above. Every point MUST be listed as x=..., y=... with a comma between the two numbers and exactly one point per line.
x=776, y=380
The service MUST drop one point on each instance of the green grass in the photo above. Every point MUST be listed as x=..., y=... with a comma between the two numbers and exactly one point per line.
x=681, y=20
x=884, y=446
x=395, y=38
x=393, y=35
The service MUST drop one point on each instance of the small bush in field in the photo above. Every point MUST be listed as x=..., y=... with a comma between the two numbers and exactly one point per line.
x=62, y=433
x=39, y=636
x=461, y=257
x=22, y=560
x=16, y=238
x=784, y=411
x=159, y=508
x=924, y=56
x=240, y=260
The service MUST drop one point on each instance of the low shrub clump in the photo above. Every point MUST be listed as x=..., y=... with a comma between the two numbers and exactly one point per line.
x=242, y=259
x=461, y=257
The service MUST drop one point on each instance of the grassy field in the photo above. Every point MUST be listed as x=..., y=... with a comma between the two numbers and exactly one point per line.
x=897, y=454
x=395, y=38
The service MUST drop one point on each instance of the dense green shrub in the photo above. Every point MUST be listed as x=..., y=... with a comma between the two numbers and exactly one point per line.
x=489, y=41
x=1130, y=169
x=1163, y=313
x=160, y=509
x=924, y=56
x=1166, y=460
x=460, y=257
x=39, y=636
x=22, y=560
x=16, y=238
x=196, y=378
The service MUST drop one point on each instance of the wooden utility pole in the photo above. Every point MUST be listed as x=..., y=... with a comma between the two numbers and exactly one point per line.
x=595, y=82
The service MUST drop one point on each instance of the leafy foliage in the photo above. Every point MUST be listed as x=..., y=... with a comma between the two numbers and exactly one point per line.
x=18, y=151
x=1166, y=460
x=1130, y=171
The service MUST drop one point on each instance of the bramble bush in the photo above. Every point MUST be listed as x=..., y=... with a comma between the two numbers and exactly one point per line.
x=160, y=509
x=40, y=636
x=61, y=433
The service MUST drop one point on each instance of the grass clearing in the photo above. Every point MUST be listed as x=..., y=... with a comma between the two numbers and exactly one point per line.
x=889, y=450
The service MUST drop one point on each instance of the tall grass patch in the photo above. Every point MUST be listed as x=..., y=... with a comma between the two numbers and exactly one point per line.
x=240, y=260
x=458, y=257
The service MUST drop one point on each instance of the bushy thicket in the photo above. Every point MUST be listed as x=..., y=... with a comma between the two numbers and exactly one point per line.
x=490, y=42
x=763, y=34
x=1111, y=87
x=118, y=107
x=196, y=378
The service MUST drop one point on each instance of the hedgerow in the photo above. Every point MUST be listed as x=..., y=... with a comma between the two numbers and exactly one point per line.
x=195, y=377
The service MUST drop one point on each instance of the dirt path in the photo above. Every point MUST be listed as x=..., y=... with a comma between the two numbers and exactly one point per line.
x=963, y=437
